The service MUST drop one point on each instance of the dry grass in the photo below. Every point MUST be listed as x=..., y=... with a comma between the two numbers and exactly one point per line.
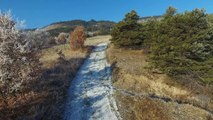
x=44, y=99
x=144, y=108
x=49, y=56
x=140, y=108
x=131, y=74
x=96, y=40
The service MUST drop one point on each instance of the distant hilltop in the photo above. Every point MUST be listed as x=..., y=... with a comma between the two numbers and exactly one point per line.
x=101, y=27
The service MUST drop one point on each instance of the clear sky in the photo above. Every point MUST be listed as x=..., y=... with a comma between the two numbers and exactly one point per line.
x=38, y=13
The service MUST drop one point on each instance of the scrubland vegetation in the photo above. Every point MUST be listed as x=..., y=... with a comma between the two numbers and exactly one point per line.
x=36, y=70
x=142, y=93
x=179, y=44
x=162, y=68
x=19, y=61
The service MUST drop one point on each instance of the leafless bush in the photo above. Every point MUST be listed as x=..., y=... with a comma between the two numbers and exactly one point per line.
x=38, y=39
x=51, y=41
x=19, y=61
x=62, y=38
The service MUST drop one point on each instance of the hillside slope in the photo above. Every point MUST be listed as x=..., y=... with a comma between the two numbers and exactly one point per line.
x=102, y=27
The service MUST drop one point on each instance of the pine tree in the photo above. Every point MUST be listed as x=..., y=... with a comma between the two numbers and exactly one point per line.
x=171, y=11
x=127, y=32
x=183, y=44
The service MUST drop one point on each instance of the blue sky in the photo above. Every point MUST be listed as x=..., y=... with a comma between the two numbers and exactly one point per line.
x=38, y=13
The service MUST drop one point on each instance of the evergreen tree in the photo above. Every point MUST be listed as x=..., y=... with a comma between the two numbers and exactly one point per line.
x=127, y=32
x=183, y=44
x=149, y=32
x=170, y=12
x=131, y=17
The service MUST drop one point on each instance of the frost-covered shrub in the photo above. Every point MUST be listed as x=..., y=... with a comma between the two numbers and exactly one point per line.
x=62, y=38
x=19, y=62
x=38, y=39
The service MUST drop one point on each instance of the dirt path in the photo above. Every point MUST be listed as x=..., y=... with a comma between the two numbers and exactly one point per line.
x=90, y=94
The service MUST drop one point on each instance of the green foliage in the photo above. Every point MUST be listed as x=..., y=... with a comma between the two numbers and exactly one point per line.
x=131, y=17
x=181, y=43
x=170, y=12
x=210, y=17
x=149, y=29
x=127, y=32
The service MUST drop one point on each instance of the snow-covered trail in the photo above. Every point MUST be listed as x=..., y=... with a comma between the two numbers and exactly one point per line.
x=90, y=94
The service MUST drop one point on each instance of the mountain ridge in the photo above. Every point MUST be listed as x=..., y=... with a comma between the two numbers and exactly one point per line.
x=102, y=27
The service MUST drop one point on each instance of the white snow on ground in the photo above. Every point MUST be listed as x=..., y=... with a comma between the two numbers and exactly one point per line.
x=90, y=96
